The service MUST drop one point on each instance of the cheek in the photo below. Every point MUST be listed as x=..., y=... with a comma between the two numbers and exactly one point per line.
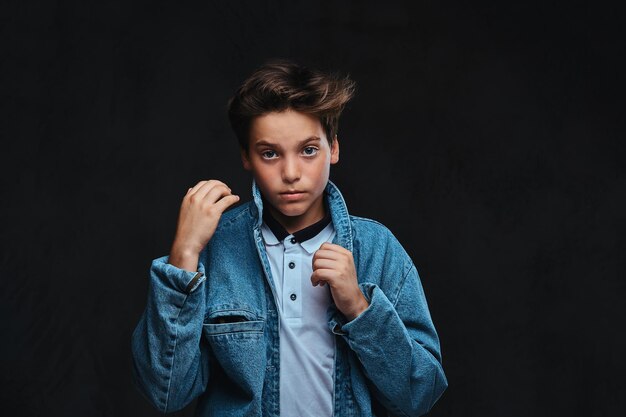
x=323, y=167
x=267, y=177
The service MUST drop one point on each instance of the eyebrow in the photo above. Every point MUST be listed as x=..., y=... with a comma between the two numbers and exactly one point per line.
x=302, y=142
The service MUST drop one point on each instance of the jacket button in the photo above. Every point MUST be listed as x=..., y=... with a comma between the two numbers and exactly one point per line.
x=292, y=265
x=293, y=297
x=293, y=240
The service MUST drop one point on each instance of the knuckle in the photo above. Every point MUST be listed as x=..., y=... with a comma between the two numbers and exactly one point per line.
x=219, y=183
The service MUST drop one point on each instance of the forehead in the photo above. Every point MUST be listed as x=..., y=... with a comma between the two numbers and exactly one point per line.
x=288, y=125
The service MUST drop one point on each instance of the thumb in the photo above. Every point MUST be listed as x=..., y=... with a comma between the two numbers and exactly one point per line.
x=223, y=203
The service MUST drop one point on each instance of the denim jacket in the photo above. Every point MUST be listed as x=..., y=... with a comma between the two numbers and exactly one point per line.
x=214, y=333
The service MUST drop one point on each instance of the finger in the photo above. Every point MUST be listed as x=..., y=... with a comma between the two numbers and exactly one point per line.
x=328, y=254
x=215, y=193
x=214, y=189
x=226, y=202
x=324, y=264
x=195, y=187
x=321, y=283
x=335, y=248
x=327, y=275
x=321, y=280
x=316, y=281
x=203, y=187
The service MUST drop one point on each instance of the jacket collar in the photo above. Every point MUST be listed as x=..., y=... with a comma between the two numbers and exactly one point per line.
x=335, y=202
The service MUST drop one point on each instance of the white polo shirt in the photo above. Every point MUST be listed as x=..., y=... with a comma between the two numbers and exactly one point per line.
x=307, y=346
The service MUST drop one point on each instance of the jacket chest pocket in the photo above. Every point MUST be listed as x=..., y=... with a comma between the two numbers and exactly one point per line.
x=237, y=344
x=234, y=329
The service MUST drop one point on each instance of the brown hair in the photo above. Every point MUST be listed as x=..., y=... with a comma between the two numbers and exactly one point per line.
x=281, y=84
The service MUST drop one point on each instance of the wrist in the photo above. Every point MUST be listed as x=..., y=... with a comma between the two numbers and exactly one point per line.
x=361, y=306
x=185, y=248
x=184, y=257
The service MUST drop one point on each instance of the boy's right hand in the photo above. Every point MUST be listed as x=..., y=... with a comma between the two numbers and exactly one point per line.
x=200, y=212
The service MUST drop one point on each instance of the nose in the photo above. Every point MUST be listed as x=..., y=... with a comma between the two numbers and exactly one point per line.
x=291, y=170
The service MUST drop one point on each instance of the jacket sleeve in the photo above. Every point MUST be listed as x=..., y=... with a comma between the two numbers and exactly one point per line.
x=398, y=346
x=170, y=367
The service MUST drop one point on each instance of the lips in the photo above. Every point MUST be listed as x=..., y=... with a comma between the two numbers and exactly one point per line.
x=292, y=195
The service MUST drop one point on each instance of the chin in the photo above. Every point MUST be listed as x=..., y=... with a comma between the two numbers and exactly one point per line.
x=291, y=210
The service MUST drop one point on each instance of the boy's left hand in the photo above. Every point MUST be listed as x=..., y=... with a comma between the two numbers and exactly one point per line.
x=334, y=264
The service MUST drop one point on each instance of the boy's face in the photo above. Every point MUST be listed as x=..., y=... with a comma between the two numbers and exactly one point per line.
x=288, y=152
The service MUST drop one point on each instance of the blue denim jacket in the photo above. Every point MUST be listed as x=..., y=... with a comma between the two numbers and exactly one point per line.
x=214, y=333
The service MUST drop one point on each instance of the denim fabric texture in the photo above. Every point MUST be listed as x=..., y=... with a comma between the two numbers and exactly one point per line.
x=214, y=333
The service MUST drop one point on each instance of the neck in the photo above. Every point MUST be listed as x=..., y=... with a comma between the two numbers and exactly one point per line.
x=294, y=223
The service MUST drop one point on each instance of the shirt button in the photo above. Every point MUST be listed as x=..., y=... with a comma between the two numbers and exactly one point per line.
x=293, y=240
x=292, y=265
x=293, y=297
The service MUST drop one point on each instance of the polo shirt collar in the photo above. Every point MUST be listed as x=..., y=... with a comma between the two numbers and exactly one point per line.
x=336, y=206
x=274, y=232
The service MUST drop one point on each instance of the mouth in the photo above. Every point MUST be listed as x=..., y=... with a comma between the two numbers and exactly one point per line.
x=292, y=195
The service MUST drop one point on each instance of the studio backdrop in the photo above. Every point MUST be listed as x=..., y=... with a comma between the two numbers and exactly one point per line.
x=487, y=136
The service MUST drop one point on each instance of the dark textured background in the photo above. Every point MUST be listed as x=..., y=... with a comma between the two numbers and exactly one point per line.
x=488, y=137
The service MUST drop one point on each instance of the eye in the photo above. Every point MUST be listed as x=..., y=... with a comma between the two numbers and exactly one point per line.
x=269, y=154
x=310, y=150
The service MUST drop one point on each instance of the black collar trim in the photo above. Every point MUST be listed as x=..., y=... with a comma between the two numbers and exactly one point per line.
x=301, y=235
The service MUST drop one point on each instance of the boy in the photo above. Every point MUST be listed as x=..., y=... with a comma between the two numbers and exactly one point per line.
x=286, y=305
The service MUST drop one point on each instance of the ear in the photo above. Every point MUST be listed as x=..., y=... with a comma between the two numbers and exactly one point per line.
x=245, y=159
x=334, y=151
